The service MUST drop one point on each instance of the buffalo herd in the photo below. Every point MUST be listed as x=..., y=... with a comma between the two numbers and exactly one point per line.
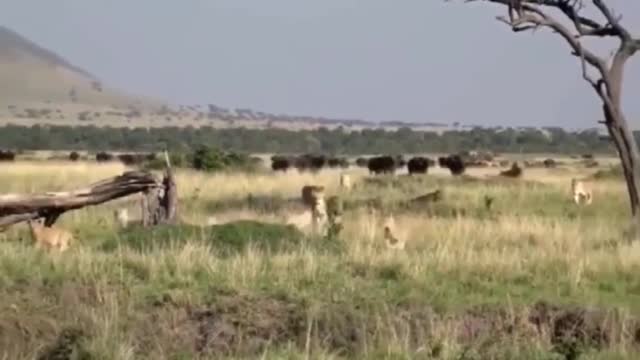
x=306, y=162
x=383, y=164
x=127, y=159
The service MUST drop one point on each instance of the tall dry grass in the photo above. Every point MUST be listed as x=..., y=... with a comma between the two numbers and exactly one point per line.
x=534, y=244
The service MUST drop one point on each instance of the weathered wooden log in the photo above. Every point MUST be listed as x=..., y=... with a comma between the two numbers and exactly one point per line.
x=160, y=200
x=15, y=208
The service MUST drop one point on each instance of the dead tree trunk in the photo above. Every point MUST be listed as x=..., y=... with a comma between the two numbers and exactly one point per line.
x=160, y=204
x=610, y=90
x=608, y=87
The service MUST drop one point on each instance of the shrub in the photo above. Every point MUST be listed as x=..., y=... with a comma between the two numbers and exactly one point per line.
x=210, y=159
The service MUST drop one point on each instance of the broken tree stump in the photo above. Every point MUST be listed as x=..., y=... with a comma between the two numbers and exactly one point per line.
x=160, y=204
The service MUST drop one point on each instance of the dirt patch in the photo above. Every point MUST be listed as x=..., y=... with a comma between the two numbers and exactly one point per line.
x=68, y=345
x=240, y=324
x=244, y=325
x=573, y=329
x=47, y=322
x=568, y=330
x=232, y=324
x=39, y=322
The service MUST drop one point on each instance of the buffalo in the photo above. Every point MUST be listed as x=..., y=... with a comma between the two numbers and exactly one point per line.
x=454, y=163
x=104, y=156
x=549, y=163
x=338, y=162
x=310, y=162
x=382, y=165
x=280, y=163
x=514, y=172
x=7, y=155
x=418, y=165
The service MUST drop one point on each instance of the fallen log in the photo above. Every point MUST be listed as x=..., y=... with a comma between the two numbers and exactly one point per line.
x=160, y=199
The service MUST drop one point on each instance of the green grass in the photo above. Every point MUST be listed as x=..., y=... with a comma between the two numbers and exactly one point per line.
x=472, y=283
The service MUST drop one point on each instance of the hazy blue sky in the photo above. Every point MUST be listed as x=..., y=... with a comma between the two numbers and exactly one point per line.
x=412, y=60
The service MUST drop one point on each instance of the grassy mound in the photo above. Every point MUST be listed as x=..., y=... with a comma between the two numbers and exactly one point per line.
x=225, y=239
x=613, y=172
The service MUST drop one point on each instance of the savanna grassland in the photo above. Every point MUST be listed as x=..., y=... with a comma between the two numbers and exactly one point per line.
x=533, y=277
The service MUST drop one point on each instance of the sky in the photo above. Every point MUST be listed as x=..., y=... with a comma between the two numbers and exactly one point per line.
x=379, y=60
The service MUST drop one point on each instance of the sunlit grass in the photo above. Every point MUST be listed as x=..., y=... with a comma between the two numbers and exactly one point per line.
x=534, y=244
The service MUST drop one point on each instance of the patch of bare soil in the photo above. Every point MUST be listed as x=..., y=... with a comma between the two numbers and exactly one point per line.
x=246, y=325
x=47, y=322
x=35, y=323
x=571, y=330
x=232, y=324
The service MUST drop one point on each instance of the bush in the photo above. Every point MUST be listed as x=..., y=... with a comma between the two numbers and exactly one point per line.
x=210, y=159
x=177, y=159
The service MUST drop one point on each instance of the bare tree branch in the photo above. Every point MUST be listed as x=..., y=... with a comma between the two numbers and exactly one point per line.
x=535, y=17
x=584, y=26
x=613, y=21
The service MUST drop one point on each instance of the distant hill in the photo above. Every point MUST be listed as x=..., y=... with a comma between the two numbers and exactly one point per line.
x=38, y=86
x=31, y=74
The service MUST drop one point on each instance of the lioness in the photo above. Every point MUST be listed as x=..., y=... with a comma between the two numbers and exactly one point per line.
x=390, y=235
x=49, y=237
x=582, y=191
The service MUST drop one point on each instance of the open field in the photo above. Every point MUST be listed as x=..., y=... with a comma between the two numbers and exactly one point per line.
x=534, y=277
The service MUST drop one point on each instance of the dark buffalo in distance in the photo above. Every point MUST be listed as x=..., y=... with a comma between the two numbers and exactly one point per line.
x=310, y=162
x=418, y=165
x=382, y=165
x=443, y=161
x=454, y=163
x=362, y=162
x=74, y=156
x=133, y=159
x=514, y=172
x=549, y=163
x=7, y=155
x=280, y=163
x=336, y=162
x=104, y=156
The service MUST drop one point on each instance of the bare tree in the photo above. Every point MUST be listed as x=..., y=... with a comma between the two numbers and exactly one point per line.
x=604, y=75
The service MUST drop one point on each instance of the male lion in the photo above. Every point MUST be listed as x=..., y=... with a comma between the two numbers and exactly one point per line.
x=582, y=191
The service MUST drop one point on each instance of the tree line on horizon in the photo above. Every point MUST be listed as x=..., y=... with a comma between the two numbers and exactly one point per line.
x=321, y=140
